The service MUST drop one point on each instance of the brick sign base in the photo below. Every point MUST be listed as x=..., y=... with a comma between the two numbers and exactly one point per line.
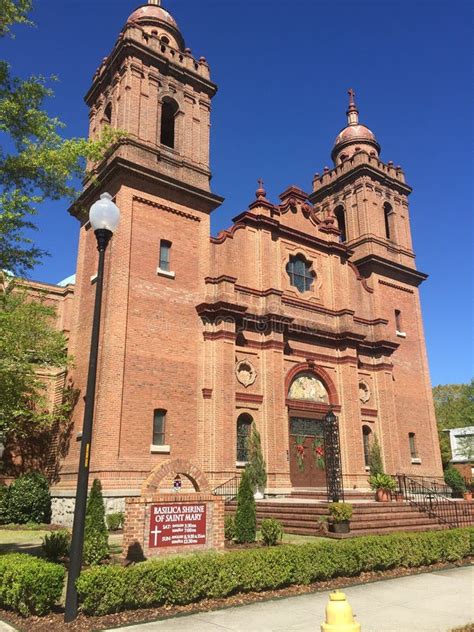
x=166, y=524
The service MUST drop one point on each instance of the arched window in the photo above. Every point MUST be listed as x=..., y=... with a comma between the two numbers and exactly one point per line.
x=165, y=40
x=387, y=214
x=244, y=423
x=340, y=215
x=299, y=271
x=169, y=109
x=159, y=419
x=366, y=432
x=108, y=114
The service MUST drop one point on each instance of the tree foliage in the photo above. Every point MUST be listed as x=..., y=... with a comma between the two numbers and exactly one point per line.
x=36, y=162
x=454, y=408
x=29, y=345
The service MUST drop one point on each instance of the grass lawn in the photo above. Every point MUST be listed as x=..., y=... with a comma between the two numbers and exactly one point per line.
x=30, y=540
x=21, y=541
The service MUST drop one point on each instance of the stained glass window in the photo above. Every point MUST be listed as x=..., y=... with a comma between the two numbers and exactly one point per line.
x=299, y=271
x=244, y=423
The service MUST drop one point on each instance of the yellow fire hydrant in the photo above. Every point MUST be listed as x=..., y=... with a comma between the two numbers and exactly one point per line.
x=339, y=615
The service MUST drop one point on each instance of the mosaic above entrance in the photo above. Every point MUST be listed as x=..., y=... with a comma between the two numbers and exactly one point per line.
x=307, y=387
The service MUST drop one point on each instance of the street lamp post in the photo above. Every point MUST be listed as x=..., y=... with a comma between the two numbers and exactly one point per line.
x=104, y=217
x=332, y=451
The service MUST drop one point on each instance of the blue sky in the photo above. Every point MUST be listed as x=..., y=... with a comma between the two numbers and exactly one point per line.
x=283, y=69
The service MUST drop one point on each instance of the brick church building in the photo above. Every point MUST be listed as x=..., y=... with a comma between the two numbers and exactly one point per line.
x=303, y=305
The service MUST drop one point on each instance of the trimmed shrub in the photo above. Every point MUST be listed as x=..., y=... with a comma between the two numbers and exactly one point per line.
x=3, y=504
x=115, y=521
x=375, y=457
x=188, y=579
x=229, y=528
x=96, y=538
x=246, y=514
x=454, y=479
x=56, y=545
x=271, y=531
x=256, y=467
x=29, y=585
x=27, y=500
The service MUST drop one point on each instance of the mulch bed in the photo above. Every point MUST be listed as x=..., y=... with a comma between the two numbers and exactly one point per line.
x=55, y=622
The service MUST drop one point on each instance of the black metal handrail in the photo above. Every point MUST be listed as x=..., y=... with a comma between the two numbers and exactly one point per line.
x=229, y=489
x=432, y=500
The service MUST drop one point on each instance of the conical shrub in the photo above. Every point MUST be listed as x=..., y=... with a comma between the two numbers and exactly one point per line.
x=246, y=515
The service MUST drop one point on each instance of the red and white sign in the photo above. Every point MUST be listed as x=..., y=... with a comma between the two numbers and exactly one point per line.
x=177, y=524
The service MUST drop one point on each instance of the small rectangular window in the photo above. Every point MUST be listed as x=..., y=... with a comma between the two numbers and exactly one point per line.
x=159, y=418
x=165, y=247
x=398, y=320
x=412, y=442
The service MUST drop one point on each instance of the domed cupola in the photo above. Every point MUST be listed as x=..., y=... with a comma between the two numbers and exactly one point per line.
x=158, y=22
x=355, y=137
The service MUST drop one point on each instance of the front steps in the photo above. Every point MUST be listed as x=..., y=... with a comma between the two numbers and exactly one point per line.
x=368, y=518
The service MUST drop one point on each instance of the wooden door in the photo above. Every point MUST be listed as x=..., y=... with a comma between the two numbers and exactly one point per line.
x=307, y=467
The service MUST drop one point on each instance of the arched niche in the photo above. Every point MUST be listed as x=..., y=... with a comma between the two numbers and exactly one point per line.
x=173, y=468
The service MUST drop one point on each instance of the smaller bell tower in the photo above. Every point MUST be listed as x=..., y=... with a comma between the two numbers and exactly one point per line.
x=369, y=198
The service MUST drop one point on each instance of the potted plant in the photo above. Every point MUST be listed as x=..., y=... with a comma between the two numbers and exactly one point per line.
x=340, y=515
x=384, y=485
x=469, y=490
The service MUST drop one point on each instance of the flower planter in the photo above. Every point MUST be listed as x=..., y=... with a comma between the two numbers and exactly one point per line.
x=467, y=496
x=339, y=527
x=382, y=495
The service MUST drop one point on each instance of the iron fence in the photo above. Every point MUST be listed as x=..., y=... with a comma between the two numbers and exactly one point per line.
x=431, y=497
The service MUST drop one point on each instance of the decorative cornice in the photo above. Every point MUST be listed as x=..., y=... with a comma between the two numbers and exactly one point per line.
x=219, y=335
x=205, y=200
x=369, y=412
x=249, y=397
x=396, y=287
x=380, y=265
x=163, y=207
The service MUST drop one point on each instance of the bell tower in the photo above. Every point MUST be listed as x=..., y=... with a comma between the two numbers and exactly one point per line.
x=152, y=89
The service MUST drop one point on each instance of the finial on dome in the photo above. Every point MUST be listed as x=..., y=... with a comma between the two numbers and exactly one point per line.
x=260, y=193
x=352, y=112
x=157, y=3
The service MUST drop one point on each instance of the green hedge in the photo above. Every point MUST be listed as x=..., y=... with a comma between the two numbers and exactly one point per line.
x=183, y=580
x=29, y=585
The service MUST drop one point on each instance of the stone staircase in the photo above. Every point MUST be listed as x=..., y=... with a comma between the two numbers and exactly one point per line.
x=369, y=518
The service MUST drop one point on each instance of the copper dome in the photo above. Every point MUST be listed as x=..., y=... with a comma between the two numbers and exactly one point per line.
x=153, y=12
x=353, y=134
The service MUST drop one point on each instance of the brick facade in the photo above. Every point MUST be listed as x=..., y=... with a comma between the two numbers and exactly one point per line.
x=173, y=340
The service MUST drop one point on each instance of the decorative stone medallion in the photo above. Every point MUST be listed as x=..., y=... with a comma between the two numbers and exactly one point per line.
x=364, y=392
x=245, y=372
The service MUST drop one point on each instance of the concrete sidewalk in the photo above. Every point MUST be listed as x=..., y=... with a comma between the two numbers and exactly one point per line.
x=430, y=602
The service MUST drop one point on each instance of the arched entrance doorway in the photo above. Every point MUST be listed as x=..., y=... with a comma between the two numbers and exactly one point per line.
x=308, y=401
